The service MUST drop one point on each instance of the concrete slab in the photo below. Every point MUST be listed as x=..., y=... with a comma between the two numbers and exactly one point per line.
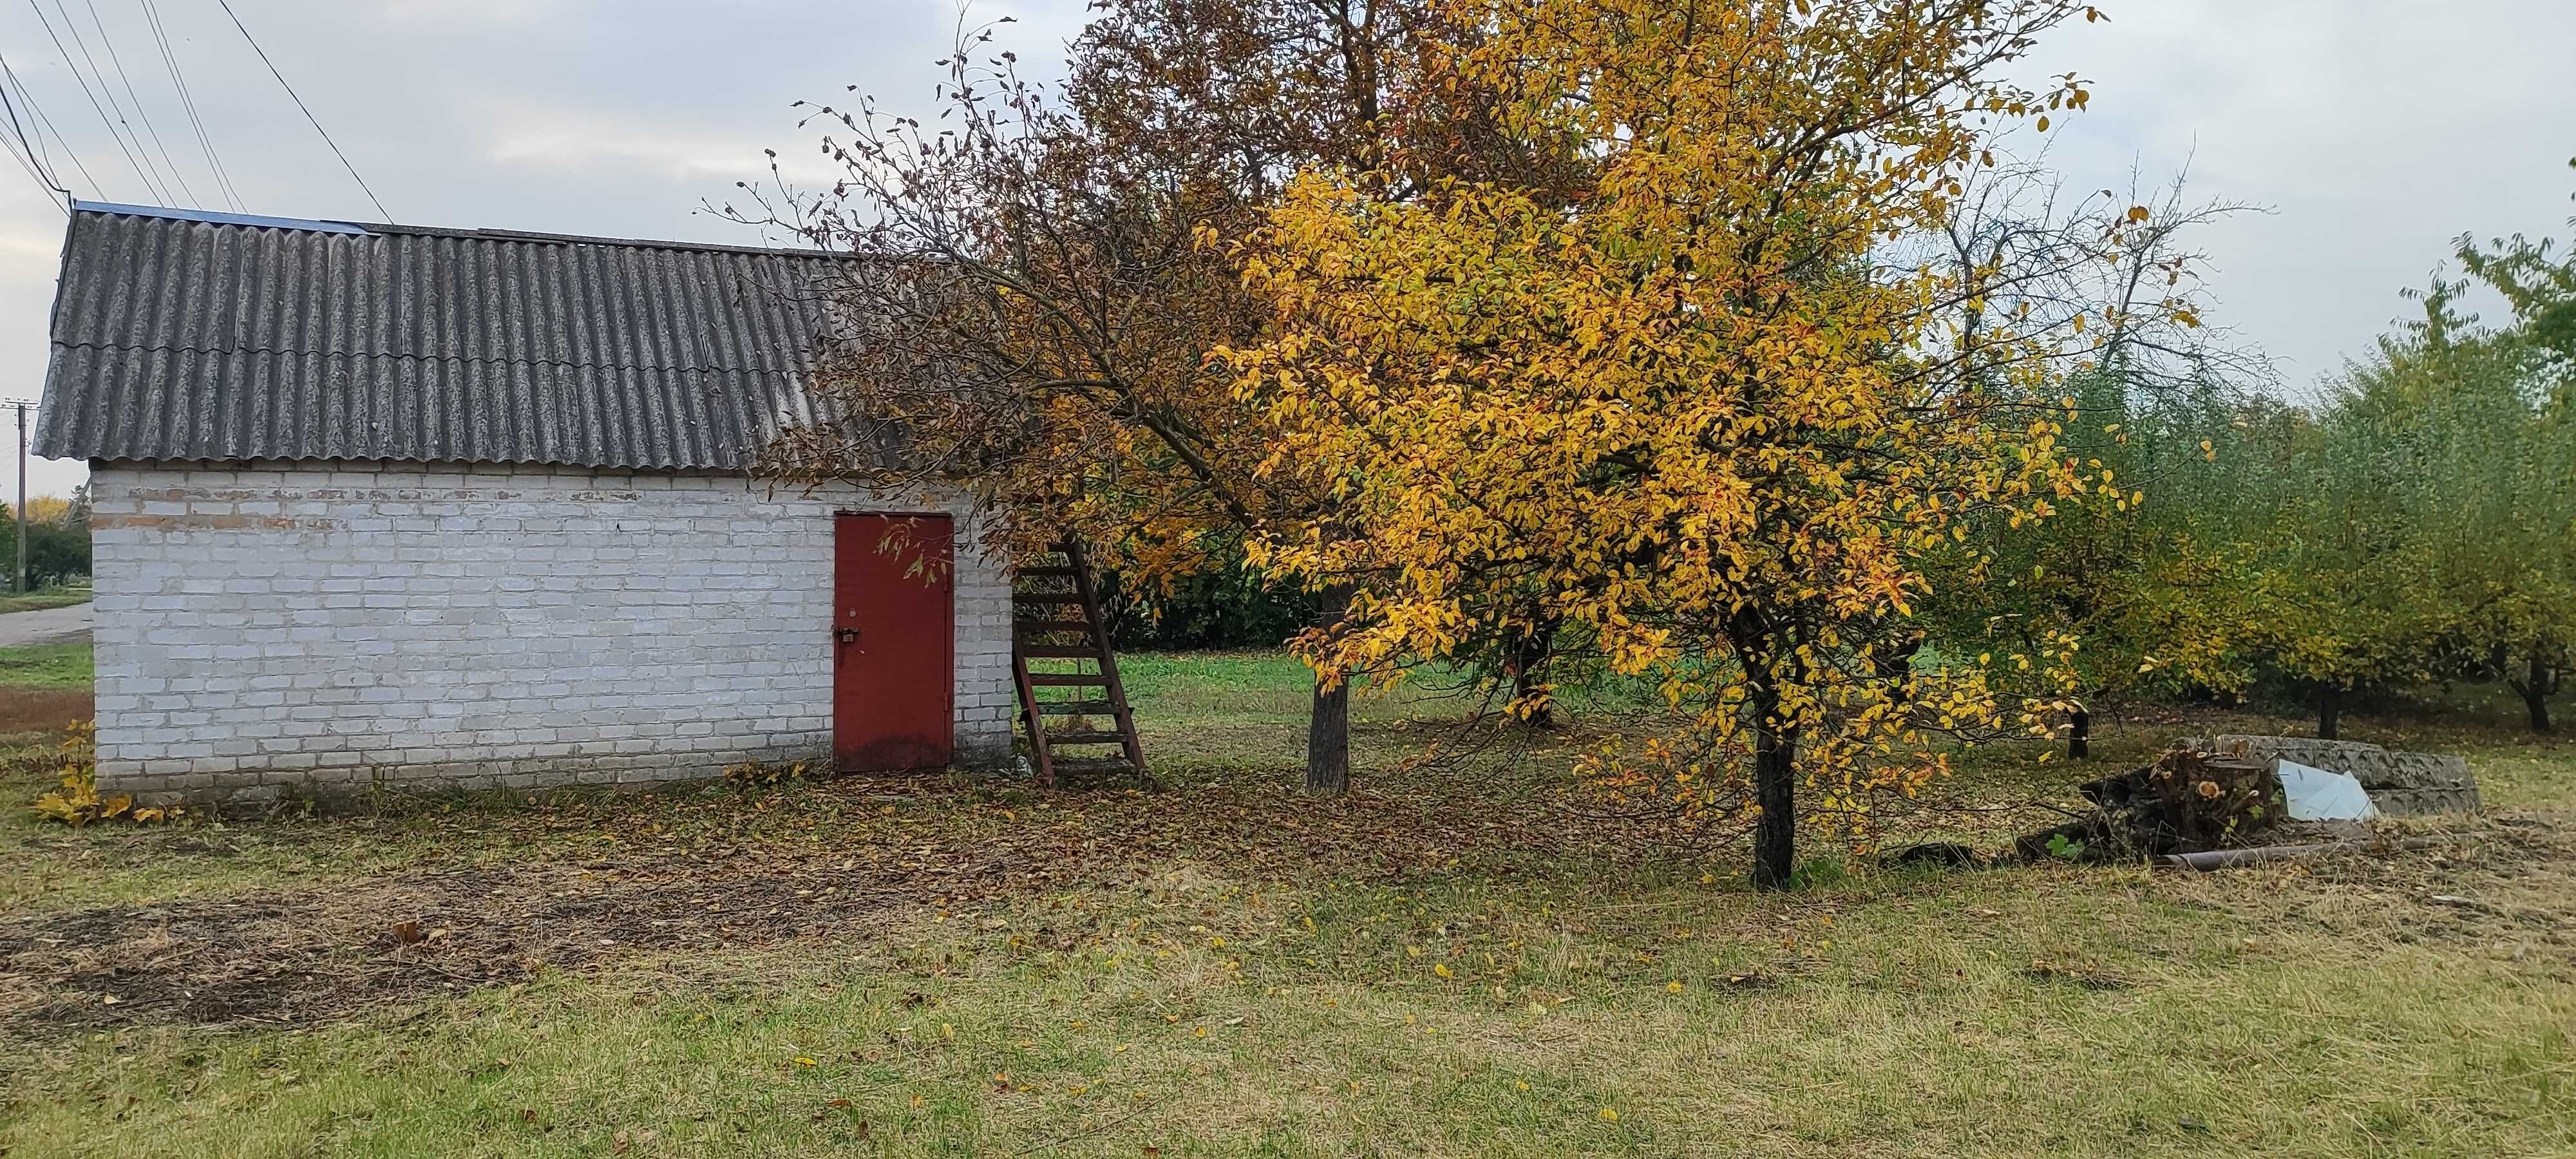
x=45, y=626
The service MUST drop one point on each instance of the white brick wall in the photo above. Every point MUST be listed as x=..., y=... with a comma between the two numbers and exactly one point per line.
x=335, y=626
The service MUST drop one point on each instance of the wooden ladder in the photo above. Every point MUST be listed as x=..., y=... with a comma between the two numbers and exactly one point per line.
x=1044, y=605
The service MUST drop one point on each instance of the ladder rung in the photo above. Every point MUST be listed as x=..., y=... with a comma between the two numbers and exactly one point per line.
x=1068, y=680
x=1075, y=708
x=1048, y=571
x=1092, y=737
x=1034, y=627
x=1059, y=652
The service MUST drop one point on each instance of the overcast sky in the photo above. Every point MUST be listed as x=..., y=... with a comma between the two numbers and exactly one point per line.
x=2374, y=131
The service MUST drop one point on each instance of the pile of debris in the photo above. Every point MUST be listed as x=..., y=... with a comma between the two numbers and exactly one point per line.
x=2229, y=800
x=2400, y=784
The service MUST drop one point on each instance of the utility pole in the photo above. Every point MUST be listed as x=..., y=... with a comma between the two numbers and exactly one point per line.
x=18, y=581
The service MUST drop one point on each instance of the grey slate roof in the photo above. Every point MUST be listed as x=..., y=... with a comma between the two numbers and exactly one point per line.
x=183, y=335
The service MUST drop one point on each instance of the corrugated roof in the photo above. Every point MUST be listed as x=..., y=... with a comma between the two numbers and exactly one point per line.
x=180, y=335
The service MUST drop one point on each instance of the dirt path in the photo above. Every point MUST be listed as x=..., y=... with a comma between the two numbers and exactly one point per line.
x=327, y=951
x=316, y=955
x=69, y=625
x=322, y=952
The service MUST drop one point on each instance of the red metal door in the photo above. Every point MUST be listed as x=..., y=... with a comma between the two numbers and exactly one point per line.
x=894, y=631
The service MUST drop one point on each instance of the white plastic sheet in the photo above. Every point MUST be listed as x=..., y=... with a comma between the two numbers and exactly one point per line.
x=2317, y=795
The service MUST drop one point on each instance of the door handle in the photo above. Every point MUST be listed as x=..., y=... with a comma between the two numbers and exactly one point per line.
x=846, y=635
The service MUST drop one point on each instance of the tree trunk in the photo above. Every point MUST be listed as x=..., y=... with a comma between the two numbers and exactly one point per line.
x=2079, y=736
x=1328, y=741
x=1544, y=718
x=1775, y=762
x=1526, y=657
x=2329, y=713
x=1328, y=720
x=1895, y=666
x=2539, y=680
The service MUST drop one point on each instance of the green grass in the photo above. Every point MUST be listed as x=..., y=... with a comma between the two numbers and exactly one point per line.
x=48, y=598
x=45, y=666
x=1230, y=688
x=1900, y=1016
x=1470, y=957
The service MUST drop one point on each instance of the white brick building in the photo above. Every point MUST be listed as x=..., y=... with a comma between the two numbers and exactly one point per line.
x=387, y=507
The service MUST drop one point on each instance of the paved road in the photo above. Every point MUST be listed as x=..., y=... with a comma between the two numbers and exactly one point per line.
x=45, y=626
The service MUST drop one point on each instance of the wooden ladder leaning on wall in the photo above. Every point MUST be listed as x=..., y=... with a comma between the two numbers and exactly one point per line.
x=1055, y=616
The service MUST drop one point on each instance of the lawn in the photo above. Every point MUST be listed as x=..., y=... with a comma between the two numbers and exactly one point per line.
x=1466, y=956
x=58, y=597
x=46, y=668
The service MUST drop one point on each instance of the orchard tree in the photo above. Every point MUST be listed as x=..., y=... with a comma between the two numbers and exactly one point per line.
x=2528, y=497
x=1710, y=406
x=1041, y=297
x=2149, y=590
x=2460, y=435
x=2121, y=569
x=2328, y=598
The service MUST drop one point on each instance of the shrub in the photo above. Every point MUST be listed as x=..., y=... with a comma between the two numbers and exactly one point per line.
x=77, y=803
x=763, y=774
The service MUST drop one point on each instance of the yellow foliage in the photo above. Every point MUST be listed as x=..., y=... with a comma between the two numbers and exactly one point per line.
x=48, y=509
x=766, y=772
x=77, y=802
x=1689, y=412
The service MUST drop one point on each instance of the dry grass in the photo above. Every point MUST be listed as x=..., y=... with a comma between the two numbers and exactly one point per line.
x=1462, y=959
x=2047, y=1011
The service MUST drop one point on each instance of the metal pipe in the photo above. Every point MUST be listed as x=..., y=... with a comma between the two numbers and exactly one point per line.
x=2228, y=858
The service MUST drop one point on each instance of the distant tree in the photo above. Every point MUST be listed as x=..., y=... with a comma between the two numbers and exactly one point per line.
x=2463, y=436
x=1227, y=605
x=2428, y=511
x=57, y=538
x=56, y=553
x=2121, y=570
x=2329, y=598
x=2527, y=480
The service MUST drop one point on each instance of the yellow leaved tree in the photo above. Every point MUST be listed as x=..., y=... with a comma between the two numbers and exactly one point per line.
x=1709, y=409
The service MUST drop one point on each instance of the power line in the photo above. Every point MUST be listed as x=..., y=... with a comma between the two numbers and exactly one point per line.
x=12, y=145
x=131, y=95
x=299, y=103
x=109, y=91
x=35, y=161
x=25, y=97
x=35, y=146
x=16, y=139
x=101, y=110
x=188, y=101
